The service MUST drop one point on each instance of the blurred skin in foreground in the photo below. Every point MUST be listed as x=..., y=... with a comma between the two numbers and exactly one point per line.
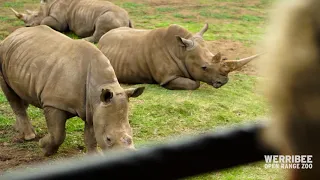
x=292, y=87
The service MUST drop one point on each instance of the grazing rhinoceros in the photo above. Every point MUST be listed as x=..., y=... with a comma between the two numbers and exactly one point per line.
x=65, y=78
x=88, y=19
x=171, y=57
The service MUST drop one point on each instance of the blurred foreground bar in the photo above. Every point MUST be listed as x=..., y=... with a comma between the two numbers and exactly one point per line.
x=193, y=156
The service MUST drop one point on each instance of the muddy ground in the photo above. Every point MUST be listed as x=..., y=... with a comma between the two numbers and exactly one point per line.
x=17, y=153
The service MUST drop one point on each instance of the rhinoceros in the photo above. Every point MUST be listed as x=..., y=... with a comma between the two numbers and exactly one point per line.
x=170, y=56
x=66, y=78
x=88, y=19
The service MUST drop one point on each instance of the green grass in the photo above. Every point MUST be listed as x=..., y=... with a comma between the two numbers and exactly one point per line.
x=216, y=15
x=159, y=114
x=132, y=5
x=13, y=4
x=251, y=18
x=4, y=18
x=72, y=35
x=231, y=1
x=182, y=16
x=166, y=9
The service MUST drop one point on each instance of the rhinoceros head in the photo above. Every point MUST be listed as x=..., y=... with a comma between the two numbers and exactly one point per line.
x=31, y=18
x=204, y=66
x=110, y=119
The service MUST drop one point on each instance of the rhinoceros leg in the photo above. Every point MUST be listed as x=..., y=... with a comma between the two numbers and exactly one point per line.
x=89, y=138
x=19, y=107
x=181, y=83
x=89, y=39
x=53, y=23
x=104, y=23
x=56, y=120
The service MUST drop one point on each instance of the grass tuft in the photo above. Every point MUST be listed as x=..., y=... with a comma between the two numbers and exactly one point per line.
x=14, y=4
x=166, y=9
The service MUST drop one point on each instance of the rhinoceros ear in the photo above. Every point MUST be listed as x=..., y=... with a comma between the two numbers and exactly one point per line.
x=185, y=42
x=216, y=58
x=106, y=95
x=29, y=12
x=134, y=92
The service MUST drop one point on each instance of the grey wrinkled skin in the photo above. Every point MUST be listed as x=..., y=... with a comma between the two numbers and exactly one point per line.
x=65, y=78
x=88, y=19
x=171, y=57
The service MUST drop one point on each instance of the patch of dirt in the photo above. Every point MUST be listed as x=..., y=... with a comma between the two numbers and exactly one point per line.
x=17, y=153
x=235, y=50
x=12, y=28
x=11, y=157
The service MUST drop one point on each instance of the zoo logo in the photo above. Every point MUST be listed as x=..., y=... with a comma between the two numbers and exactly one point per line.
x=288, y=161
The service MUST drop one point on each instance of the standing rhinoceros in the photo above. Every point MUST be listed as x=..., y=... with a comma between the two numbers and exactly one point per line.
x=65, y=78
x=171, y=57
x=88, y=19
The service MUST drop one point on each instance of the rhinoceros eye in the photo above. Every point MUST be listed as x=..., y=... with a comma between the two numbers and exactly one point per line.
x=204, y=68
x=109, y=141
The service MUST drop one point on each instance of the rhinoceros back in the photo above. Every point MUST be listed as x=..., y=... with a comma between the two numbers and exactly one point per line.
x=45, y=68
x=128, y=52
x=143, y=56
x=83, y=14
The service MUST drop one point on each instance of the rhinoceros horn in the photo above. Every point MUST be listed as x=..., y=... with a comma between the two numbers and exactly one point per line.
x=203, y=30
x=236, y=64
x=18, y=15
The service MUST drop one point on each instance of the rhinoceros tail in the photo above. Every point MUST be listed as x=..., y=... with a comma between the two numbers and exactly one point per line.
x=130, y=24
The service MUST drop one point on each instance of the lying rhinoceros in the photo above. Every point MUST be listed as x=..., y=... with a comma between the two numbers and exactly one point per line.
x=171, y=57
x=65, y=78
x=88, y=19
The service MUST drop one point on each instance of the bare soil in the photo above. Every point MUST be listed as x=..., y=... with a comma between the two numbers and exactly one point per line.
x=11, y=157
x=235, y=50
x=17, y=153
